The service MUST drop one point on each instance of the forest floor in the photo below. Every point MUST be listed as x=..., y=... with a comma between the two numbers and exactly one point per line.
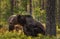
x=58, y=32
x=57, y=29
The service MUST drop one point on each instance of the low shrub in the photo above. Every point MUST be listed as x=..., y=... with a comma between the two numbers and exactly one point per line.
x=19, y=35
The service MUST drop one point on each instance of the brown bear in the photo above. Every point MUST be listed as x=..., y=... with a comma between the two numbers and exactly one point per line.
x=17, y=19
x=31, y=27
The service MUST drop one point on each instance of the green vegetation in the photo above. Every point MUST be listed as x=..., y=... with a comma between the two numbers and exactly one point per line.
x=18, y=35
x=37, y=13
x=5, y=10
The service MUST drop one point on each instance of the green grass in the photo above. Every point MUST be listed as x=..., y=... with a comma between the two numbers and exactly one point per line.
x=5, y=34
x=20, y=35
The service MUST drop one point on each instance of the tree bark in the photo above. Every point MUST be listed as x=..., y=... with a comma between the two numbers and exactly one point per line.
x=41, y=4
x=12, y=6
x=26, y=6
x=58, y=13
x=30, y=7
x=0, y=11
x=50, y=18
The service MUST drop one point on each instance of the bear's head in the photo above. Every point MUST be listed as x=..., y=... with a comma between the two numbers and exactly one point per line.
x=21, y=20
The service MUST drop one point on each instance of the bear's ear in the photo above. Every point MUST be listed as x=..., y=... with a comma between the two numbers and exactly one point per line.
x=18, y=16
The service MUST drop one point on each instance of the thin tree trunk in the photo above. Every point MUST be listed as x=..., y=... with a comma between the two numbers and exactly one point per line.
x=50, y=18
x=58, y=13
x=26, y=6
x=42, y=4
x=12, y=6
x=30, y=7
x=0, y=11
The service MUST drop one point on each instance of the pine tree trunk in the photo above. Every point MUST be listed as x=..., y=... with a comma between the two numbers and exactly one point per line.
x=30, y=7
x=26, y=6
x=12, y=6
x=58, y=12
x=50, y=18
x=42, y=4
x=0, y=11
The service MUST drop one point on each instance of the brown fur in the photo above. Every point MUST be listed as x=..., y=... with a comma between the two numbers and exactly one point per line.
x=31, y=27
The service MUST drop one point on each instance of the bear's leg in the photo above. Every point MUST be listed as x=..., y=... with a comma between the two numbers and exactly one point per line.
x=42, y=31
x=11, y=27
